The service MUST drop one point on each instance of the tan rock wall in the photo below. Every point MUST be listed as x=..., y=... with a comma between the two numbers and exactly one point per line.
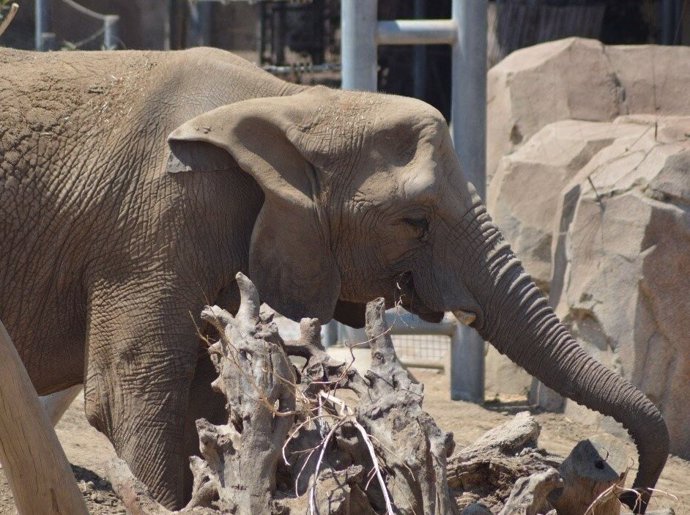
x=580, y=79
x=589, y=185
x=619, y=233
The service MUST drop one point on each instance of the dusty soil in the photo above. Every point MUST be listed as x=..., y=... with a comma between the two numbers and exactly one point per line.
x=88, y=450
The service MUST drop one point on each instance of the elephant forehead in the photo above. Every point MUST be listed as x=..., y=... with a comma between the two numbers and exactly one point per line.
x=420, y=184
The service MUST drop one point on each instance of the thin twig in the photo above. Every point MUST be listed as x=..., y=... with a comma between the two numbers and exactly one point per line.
x=324, y=444
x=8, y=18
x=596, y=193
x=374, y=459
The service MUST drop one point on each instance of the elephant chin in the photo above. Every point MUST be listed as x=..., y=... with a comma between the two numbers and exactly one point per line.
x=352, y=313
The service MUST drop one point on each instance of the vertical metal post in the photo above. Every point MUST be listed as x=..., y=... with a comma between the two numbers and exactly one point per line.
x=359, y=51
x=419, y=74
x=278, y=33
x=329, y=333
x=671, y=21
x=468, y=114
x=468, y=120
x=199, y=23
x=110, y=31
x=42, y=16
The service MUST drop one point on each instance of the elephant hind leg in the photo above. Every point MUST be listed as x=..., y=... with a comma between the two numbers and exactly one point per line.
x=140, y=367
x=204, y=402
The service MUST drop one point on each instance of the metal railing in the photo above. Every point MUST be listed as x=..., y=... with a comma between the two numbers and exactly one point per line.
x=466, y=32
x=45, y=40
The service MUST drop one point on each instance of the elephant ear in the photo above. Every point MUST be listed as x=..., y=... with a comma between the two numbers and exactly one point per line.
x=290, y=259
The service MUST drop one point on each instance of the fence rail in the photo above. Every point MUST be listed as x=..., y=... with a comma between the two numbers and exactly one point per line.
x=45, y=39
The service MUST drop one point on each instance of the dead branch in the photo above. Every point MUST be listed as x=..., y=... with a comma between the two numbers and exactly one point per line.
x=35, y=465
x=8, y=17
x=292, y=443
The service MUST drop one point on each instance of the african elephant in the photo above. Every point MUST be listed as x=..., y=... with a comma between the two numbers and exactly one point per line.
x=134, y=185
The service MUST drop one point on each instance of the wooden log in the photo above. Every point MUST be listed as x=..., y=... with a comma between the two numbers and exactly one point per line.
x=504, y=469
x=411, y=447
x=35, y=465
x=594, y=474
x=508, y=439
x=258, y=381
x=530, y=494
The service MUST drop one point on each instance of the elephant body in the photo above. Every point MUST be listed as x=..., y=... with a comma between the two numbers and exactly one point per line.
x=135, y=185
x=99, y=256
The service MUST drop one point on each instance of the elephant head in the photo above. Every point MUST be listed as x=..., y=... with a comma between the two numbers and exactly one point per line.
x=364, y=196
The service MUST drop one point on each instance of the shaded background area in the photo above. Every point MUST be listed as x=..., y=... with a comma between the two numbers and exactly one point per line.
x=296, y=37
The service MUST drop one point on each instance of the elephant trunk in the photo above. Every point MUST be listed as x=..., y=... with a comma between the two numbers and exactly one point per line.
x=518, y=321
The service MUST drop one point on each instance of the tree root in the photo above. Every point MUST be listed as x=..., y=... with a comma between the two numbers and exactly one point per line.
x=323, y=439
x=294, y=443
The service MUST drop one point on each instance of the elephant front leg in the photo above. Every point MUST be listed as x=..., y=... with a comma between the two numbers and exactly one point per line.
x=141, y=363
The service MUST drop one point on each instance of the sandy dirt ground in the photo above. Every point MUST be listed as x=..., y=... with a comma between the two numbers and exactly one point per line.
x=88, y=450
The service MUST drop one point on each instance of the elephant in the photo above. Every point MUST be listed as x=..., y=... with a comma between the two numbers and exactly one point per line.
x=134, y=185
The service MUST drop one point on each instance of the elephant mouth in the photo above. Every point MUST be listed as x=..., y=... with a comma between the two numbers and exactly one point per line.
x=410, y=299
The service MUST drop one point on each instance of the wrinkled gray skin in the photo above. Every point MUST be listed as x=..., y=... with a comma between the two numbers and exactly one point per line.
x=133, y=186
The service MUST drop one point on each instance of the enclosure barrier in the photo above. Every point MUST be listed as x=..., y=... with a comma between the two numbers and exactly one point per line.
x=466, y=31
x=45, y=40
x=408, y=324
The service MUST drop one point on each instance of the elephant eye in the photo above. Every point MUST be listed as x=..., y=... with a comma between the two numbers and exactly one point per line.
x=420, y=226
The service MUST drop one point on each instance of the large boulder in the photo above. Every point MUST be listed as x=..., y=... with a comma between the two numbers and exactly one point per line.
x=580, y=79
x=526, y=189
x=622, y=266
x=523, y=199
x=613, y=202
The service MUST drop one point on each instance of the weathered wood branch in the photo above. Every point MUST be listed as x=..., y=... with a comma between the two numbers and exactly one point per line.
x=505, y=469
x=374, y=451
x=258, y=381
x=408, y=441
x=5, y=23
x=35, y=465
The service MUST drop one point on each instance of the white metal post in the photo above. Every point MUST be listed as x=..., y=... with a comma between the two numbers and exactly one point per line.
x=468, y=121
x=468, y=93
x=358, y=41
x=110, y=22
x=41, y=15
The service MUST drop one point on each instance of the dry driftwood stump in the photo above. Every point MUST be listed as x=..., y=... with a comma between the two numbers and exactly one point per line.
x=321, y=438
x=315, y=439
x=505, y=472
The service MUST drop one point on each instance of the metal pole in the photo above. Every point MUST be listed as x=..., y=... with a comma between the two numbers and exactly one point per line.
x=199, y=23
x=329, y=334
x=416, y=32
x=468, y=119
x=42, y=16
x=110, y=31
x=666, y=10
x=468, y=114
x=358, y=53
x=419, y=72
